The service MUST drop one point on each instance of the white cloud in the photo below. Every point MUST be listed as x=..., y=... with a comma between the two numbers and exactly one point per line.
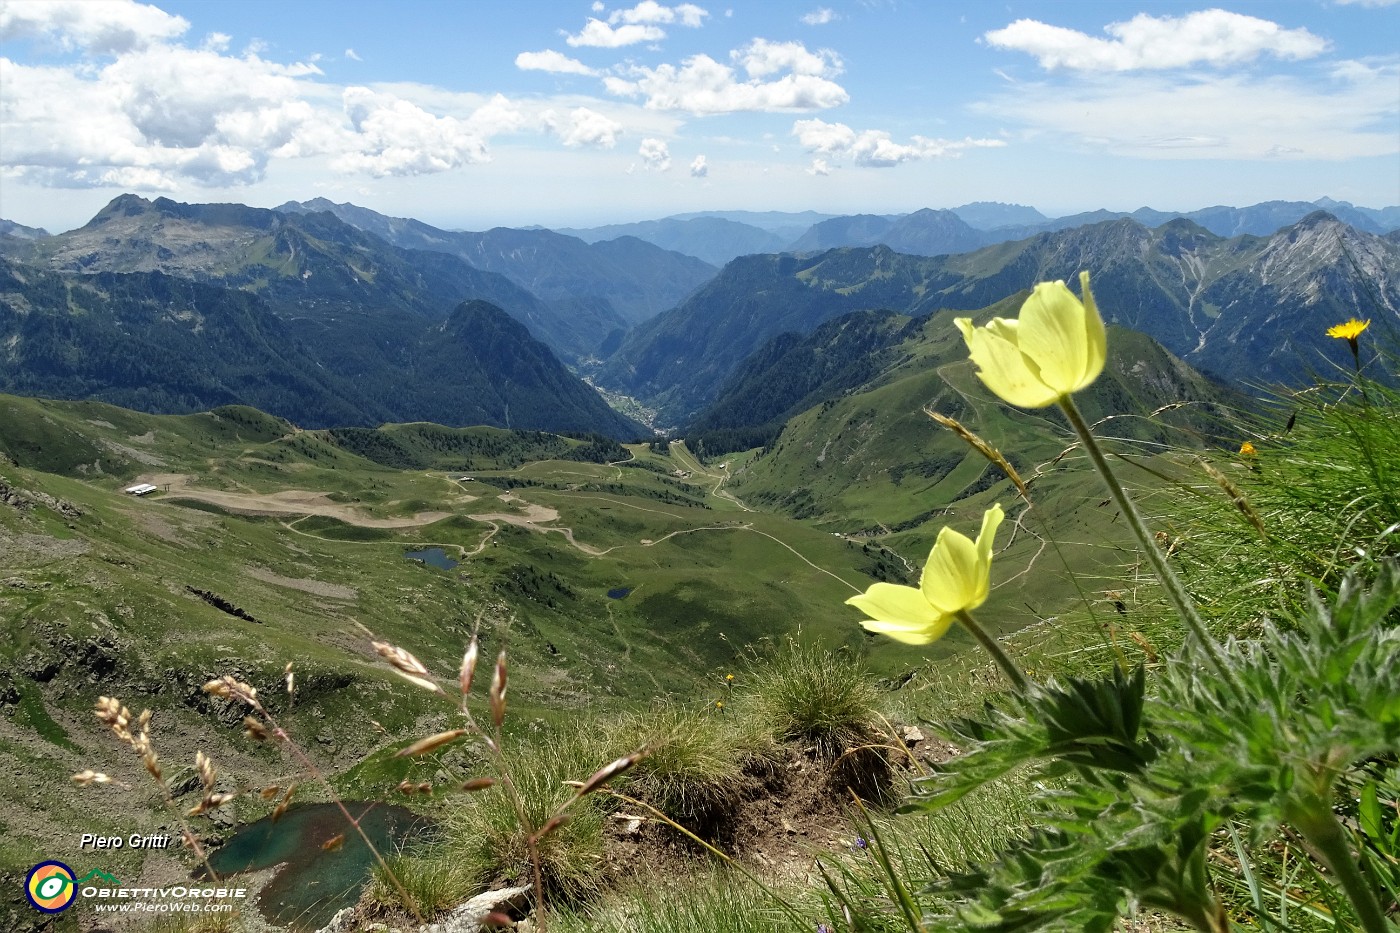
x=553, y=62
x=96, y=28
x=819, y=17
x=761, y=58
x=653, y=13
x=699, y=168
x=1210, y=37
x=701, y=85
x=875, y=148
x=353, y=55
x=590, y=128
x=156, y=114
x=598, y=34
x=819, y=168
x=655, y=154
x=394, y=136
x=1349, y=113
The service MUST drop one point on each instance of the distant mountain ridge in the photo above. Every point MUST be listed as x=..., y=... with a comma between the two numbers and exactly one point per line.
x=720, y=236
x=562, y=271
x=1245, y=308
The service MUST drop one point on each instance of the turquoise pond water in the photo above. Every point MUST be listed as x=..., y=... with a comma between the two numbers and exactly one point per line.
x=314, y=883
x=433, y=556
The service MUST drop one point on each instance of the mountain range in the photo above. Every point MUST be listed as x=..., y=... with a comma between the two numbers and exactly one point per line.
x=721, y=236
x=1244, y=309
x=330, y=313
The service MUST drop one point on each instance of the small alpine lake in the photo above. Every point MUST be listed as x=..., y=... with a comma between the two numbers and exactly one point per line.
x=315, y=880
x=432, y=556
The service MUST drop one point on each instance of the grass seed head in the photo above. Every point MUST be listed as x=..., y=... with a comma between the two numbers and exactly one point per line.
x=468, y=670
x=498, y=690
x=431, y=743
x=406, y=666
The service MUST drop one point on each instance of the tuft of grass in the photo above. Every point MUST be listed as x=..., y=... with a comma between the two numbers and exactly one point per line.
x=211, y=923
x=435, y=883
x=699, y=762
x=817, y=696
x=485, y=840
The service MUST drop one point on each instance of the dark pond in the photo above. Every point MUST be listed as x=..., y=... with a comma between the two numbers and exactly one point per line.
x=314, y=883
x=435, y=556
x=619, y=592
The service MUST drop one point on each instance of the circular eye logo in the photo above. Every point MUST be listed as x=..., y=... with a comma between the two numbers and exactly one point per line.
x=50, y=887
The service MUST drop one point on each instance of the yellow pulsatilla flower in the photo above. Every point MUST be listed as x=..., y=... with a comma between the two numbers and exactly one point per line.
x=1247, y=450
x=1348, y=331
x=956, y=578
x=1057, y=346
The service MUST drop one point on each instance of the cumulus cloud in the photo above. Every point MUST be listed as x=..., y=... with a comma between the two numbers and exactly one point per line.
x=1208, y=37
x=655, y=154
x=95, y=28
x=819, y=17
x=553, y=62
x=394, y=136
x=701, y=85
x=651, y=12
x=875, y=148
x=590, y=128
x=156, y=114
x=159, y=115
x=598, y=34
x=761, y=58
x=819, y=168
x=699, y=168
x=353, y=55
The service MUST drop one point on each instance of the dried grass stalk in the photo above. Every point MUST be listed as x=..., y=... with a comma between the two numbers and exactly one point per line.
x=983, y=448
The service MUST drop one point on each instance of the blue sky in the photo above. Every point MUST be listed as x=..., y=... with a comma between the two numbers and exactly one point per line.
x=475, y=114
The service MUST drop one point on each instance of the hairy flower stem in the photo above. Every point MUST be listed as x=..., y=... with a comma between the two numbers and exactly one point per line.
x=1171, y=584
x=995, y=649
x=1323, y=834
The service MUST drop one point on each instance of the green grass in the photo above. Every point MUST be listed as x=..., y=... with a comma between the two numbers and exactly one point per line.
x=699, y=762
x=814, y=696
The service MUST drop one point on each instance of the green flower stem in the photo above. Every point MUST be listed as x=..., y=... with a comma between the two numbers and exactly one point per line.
x=1175, y=591
x=1323, y=833
x=995, y=649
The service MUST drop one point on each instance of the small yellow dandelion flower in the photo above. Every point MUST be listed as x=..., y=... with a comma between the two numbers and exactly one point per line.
x=1247, y=450
x=1348, y=331
x=729, y=678
x=719, y=704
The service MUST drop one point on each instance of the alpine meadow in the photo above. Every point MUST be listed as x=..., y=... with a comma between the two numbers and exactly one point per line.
x=589, y=468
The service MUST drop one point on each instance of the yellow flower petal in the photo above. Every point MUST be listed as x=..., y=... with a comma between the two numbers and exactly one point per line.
x=956, y=577
x=920, y=636
x=950, y=581
x=1057, y=346
x=1002, y=366
x=1350, y=330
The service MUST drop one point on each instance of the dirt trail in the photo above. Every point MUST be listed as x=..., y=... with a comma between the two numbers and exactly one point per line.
x=287, y=502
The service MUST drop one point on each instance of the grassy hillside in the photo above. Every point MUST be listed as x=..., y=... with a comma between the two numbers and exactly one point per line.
x=265, y=546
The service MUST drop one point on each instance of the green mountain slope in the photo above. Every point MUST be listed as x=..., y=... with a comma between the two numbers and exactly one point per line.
x=155, y=342
x=562, y=271
x=870, y=460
